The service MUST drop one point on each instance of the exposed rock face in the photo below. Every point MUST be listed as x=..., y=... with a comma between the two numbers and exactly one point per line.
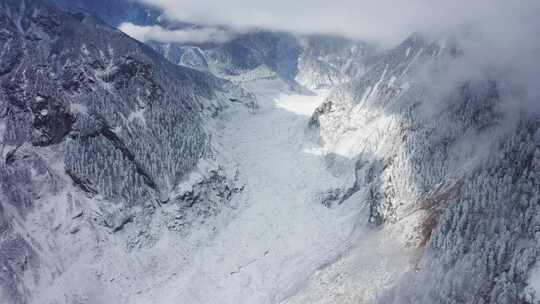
x=202, y=200
x=52, y=120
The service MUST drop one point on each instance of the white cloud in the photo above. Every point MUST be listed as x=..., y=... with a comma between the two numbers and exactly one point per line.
x=159, y=34
x=386, y=21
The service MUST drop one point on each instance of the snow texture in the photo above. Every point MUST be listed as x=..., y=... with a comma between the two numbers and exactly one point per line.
x=127, y=178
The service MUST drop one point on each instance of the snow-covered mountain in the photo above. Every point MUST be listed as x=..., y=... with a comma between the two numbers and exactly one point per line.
x=97, y=131
x=456, y=157
x=311, y=61
x=113, y=12
x=270, y=168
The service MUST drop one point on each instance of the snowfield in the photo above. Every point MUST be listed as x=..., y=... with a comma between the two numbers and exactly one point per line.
x=275, y=243
x=284, y=235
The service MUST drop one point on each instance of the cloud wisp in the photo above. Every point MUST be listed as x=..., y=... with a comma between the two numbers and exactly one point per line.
x=190, y=35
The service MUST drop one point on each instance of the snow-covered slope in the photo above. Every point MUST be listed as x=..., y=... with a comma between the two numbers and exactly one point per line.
x=280, y=234
x=113, y=12
x=451, y=153
x=311, y=61
x=97, y=132
x=327, y=61
x=314, y=62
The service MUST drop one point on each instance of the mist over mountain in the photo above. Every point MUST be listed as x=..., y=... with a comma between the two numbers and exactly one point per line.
x=161, y=151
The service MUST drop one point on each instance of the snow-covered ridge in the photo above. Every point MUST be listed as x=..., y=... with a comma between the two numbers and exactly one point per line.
x=438, y=155
x=98, y=132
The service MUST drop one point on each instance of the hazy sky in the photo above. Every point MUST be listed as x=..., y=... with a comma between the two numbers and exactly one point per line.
x=385, y=21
